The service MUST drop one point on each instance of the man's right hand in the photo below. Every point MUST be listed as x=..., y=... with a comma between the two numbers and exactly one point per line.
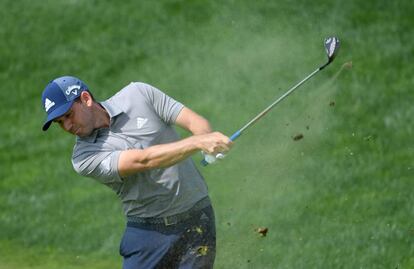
x=213, y=143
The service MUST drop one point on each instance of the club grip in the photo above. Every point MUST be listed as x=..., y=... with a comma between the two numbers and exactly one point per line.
x=232, y=138
x=235, y=135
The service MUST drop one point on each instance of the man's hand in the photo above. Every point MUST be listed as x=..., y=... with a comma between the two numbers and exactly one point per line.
x=214, y=143
x=216, y=151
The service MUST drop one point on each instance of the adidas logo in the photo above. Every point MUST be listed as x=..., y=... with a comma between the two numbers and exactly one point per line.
x=48, y=104
x=141, y=122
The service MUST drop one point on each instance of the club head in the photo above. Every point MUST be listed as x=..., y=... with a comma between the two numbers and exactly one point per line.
x=331, y=47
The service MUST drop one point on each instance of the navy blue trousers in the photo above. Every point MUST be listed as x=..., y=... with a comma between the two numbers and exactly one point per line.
x=190, y=244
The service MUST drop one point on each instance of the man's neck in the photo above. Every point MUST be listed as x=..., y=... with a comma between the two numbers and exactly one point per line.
x=102, y=116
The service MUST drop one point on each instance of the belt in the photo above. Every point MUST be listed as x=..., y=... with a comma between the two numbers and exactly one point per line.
x=173, y=219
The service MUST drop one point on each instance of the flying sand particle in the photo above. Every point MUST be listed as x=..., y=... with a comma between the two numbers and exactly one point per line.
x=298, y=137
x=347, y=65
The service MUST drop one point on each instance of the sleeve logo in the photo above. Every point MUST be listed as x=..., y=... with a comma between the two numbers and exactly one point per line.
x=141, y=122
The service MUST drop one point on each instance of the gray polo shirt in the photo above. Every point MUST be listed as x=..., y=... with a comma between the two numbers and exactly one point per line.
x=141, y=116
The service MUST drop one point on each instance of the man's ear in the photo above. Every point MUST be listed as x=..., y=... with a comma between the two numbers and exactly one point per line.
x=86, y=98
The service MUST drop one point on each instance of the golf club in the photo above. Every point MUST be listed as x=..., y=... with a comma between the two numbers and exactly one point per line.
x=331, y=47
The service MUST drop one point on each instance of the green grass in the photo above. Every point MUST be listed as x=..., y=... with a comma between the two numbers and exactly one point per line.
x=339, y=198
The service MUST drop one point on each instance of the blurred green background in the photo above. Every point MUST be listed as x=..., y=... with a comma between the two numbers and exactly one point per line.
x=341, y=197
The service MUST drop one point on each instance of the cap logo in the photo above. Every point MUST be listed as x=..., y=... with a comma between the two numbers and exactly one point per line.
x=48, y=104
x=72, y=89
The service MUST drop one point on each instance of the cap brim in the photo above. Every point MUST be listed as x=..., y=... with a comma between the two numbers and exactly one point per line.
x=56, y=114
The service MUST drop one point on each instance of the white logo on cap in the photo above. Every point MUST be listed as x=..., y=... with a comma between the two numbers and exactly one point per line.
x=48, y=104
x=141, y=122
x=73, y=88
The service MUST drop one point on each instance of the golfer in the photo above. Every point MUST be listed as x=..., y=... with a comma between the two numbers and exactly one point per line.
x=129, y=144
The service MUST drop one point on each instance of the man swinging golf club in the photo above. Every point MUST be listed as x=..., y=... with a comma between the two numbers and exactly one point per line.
x=129, y=144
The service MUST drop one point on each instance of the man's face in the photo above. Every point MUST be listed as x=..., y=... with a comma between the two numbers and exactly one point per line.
x=78, y=120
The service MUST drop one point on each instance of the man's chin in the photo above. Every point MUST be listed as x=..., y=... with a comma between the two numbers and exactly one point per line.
x=83, y=134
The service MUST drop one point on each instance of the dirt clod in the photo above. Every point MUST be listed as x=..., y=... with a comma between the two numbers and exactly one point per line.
x=202, y=250
x=298, y=137
x=262, y=231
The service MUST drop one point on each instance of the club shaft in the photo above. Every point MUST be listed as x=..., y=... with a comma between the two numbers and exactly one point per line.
x=264, y=112
x=267, y=109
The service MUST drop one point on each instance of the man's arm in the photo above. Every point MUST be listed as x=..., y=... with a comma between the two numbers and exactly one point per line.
x=138, y=160
x=193, y=122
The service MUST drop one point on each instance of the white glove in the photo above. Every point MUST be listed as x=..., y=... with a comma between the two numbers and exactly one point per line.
x=220, y=156
x=211, y=158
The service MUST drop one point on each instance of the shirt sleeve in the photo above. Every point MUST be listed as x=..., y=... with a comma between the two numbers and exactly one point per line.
x=102, y=166
x=165, y=106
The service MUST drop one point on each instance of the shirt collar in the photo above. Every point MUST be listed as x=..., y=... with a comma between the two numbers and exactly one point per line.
x=112, y=110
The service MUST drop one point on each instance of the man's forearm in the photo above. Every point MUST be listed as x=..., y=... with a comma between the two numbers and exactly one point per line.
x=158, y=156
x=193, y=122
x=164, y=155
x=204, y=128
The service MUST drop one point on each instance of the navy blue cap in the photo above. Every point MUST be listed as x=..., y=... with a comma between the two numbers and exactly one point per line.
x=59, y=95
